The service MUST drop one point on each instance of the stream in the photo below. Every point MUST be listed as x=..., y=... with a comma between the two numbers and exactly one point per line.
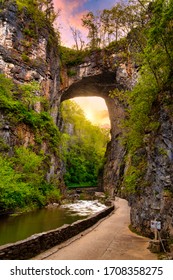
x=15, y=228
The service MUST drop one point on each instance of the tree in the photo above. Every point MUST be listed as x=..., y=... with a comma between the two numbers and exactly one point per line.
x=106, y=27
x=92, y=22
x=47, y=6
x=118, y=21
x=77, y=36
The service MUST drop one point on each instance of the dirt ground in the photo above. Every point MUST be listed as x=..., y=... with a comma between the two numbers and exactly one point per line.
x=110, y=239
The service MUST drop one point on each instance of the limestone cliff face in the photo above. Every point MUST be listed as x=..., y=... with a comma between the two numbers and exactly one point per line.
x=28, y=54
x=26, y=57
x=156, y=199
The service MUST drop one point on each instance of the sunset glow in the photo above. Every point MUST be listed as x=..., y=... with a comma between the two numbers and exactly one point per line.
x=95, y=110
x=71, y=12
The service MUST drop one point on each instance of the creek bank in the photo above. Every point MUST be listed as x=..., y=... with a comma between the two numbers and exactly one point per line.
x=38, y=243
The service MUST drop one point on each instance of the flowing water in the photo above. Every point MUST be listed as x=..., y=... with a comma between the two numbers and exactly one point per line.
x=15, y=228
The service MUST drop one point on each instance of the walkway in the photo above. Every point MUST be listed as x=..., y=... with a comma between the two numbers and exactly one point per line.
x=110, y=239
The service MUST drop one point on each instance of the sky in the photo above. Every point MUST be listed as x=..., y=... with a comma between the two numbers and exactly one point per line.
x=95, y=110
x=71, y=12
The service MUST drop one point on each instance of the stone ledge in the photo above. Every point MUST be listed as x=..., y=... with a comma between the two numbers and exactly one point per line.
x=38, y=243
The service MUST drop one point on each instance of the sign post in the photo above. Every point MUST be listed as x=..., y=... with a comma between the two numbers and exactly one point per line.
x=156, y=225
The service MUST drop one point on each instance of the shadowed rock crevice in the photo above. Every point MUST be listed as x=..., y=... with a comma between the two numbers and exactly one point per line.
x=98, y=85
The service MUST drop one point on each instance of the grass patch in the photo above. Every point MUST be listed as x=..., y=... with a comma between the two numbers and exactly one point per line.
x=132, y=229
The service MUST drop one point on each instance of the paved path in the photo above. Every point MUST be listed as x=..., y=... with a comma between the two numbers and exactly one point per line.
x=110, y=239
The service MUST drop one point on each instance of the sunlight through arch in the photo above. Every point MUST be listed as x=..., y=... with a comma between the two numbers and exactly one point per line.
x=95, y=110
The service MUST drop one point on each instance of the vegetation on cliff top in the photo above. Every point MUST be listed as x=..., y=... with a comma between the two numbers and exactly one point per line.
x=42, y=11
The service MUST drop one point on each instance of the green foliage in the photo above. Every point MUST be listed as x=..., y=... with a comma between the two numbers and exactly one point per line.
x=25, y=57
x=160, y=36
x=90, y=21
x=153, y=47
x=21, y=182
x=12, y=192
x=139, y=121
x=34, y=7
x=140, y=102
x=22, y=176
x=29, y=93
x=131, y=179
x=3, y=146
x=18, y=103
x=83, y=146
x=29, y=165
x=118, y=46
x=29, y=32
x=121, y=95
x=71, y=72
x=162, y=151
x=136, y=168
x=37, y=15
x=71, y=57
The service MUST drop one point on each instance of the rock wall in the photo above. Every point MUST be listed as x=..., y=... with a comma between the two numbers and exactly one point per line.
x=155, y=201
x=29, y=54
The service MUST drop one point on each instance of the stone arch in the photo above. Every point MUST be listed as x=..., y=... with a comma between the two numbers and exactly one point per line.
x=100, y=85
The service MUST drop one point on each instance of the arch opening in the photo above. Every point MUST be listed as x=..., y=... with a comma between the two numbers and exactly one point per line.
x=96, y=86
x=86, y=133
x=95, y=110
x=100, y=86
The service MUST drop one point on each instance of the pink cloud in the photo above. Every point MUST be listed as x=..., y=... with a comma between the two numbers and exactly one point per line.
x=68, y=5
x=69, y=16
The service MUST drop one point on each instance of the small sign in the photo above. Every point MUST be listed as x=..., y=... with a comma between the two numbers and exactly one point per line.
x=156, y=225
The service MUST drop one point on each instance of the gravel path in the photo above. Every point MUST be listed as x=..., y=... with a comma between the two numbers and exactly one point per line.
x=110, y=239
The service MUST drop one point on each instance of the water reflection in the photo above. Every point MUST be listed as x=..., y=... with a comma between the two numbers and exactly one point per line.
x=20, y=227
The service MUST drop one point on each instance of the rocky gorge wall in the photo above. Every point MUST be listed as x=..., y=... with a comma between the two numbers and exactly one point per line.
x=29, y=53
x=155, y=202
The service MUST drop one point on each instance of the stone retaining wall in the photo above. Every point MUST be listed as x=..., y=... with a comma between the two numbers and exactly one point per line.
x=38, y=243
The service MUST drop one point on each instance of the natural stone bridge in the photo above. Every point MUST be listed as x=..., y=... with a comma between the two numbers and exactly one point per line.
x=97, y=77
